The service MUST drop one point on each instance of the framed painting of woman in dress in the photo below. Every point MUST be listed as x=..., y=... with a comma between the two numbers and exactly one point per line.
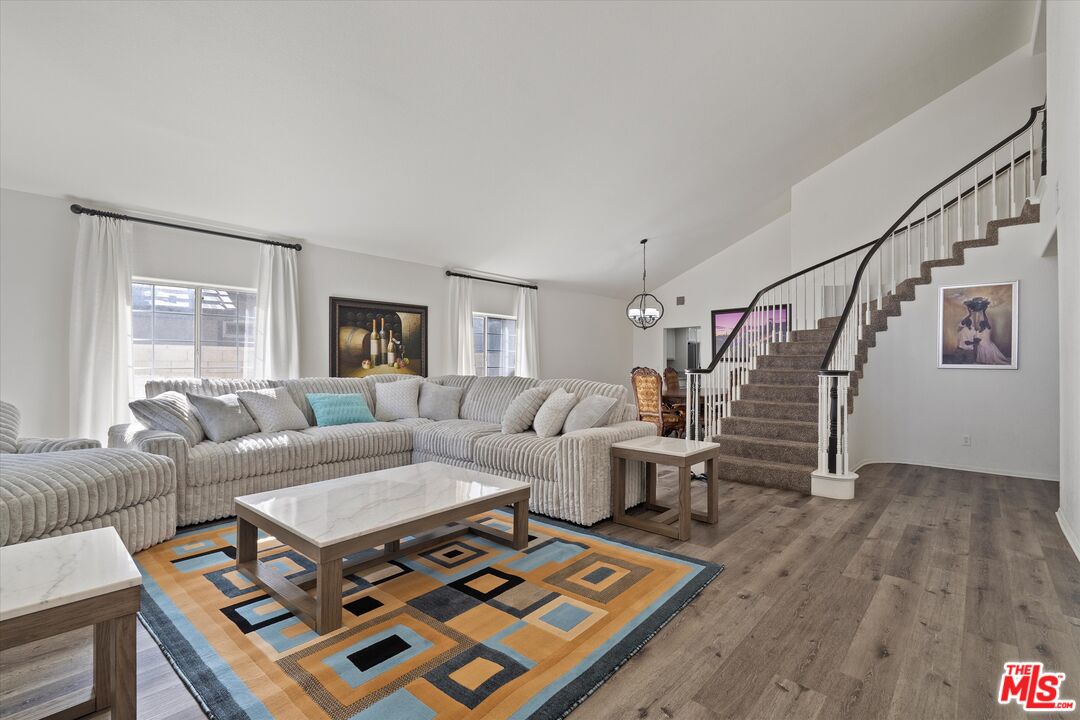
x=977, y=326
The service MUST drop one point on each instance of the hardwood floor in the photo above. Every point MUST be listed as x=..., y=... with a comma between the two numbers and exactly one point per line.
x=903, y=603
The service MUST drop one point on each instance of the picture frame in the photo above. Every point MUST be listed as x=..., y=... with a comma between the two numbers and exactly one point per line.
x=727, y=318
x=978, y=326
x=400, y=329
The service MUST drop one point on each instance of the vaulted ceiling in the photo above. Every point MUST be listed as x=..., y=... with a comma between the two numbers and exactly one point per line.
x=540, y=140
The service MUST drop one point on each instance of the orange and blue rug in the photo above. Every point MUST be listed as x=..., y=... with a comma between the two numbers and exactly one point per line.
x=470, y=629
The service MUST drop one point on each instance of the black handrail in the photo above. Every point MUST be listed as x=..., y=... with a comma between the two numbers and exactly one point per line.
x=881, y=240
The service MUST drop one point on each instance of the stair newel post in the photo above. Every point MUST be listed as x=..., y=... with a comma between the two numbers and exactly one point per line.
x=823, y=423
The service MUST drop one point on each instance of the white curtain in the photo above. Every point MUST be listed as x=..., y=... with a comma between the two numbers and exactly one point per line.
x=461, y=340
x=277, y=328
x=528, y=334
x=100, y=334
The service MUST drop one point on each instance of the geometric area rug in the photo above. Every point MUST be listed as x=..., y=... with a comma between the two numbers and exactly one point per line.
x=470, y=629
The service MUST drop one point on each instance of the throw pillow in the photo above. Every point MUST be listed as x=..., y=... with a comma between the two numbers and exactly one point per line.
x=339, y=408
x=222, y=417
x=593, y=411
x=397, y=400
x=440, y=402
x=522, y=411
x=273, y=409
x=552, y=414
x=171, y=412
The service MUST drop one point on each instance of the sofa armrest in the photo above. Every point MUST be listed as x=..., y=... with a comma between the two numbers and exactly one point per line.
x=45, y=445
x=584, y=468
x=134, y=436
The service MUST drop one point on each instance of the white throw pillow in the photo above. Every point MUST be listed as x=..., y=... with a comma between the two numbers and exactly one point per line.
x=552, y=414
x=273, y=409
x=522, y=411
x=171, y=412
x=397, y=400
x=593, y=411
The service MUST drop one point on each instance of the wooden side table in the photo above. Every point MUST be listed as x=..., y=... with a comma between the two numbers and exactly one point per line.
x=52, y=586
x=674, y=522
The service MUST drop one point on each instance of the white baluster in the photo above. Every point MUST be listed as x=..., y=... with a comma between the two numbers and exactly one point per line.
x=941, y=219
x=993, y=188
x=1031, y=161
x=1012, y=183
x=959, y=216
x=975, y=194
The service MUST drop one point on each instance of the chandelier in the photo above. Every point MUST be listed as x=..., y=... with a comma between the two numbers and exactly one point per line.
x=645, y=310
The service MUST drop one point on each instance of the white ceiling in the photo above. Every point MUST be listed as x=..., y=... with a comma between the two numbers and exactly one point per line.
x=540, y=140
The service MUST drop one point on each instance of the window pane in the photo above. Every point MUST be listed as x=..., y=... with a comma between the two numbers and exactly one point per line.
x=227, y=333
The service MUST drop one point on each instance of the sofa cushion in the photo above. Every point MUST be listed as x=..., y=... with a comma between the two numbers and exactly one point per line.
x=624, y=410
x=43, y=493
x=552, y=414
x=452, y=439
x=299, y=389
x=593, y=411
x=359, y=440
x=171, y=412
x=259, y=454
x=223, y=417
x=522, y=411
x=440, y=402
x=522, y=453
x=339, y=408
x=9, y=428
x=155, y=387
x=488, y=398
x=395, y=401
x=273, y=409
x=225, y=386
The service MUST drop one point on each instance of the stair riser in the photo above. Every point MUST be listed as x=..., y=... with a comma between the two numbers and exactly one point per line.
x=741, y=447
x=779, y=411
x=799, y=348
x=817, y=336
x=828, y=323
x=784, y=377
x=769, y=430
x=779, y=393
x=764, y=476
x=790, y=362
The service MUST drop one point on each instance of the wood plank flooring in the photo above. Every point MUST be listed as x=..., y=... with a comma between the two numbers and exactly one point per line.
x=903, y=603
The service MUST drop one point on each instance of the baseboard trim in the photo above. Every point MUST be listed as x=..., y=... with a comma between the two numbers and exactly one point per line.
x=965, y=468
x=1070, y=534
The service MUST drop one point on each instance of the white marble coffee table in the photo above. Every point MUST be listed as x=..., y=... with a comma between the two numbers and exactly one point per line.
x=54, y=585
x=349, y=523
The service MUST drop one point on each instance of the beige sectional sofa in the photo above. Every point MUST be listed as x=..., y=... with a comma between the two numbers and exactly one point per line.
x=569, y=473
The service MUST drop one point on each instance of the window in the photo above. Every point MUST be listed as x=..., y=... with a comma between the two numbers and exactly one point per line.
x=190, y=331
x=494, y=344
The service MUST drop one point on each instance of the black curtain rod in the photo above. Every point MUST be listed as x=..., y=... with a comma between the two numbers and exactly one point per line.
x=451, y=273
x=80, y=210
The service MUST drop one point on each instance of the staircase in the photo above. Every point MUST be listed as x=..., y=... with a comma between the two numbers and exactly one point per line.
x=777, y=394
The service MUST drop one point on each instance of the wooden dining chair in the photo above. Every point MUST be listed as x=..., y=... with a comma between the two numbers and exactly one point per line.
x=651, y=406
x=671, y=379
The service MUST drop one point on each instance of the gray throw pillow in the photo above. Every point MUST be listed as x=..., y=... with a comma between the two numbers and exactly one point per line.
x=223, y=417
x=522, y=411
x=552, y=414
x=273, y=409
x=439, y=402
x=171, y=412
x=397, y=400
x=593, y=411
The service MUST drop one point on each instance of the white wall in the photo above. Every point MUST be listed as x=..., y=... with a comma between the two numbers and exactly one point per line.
x=728, y=279
x=910, y=410
x=1063, y=194
x=581, y=335
x=857, y=197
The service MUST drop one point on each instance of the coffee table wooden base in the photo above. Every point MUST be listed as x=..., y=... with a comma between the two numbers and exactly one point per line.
x=322, y=611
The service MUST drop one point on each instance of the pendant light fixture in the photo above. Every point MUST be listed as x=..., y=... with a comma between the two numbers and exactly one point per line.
x=645, y=310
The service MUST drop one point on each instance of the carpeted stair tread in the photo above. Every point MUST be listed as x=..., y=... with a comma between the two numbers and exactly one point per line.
x=771, y=376
x=789, y=361
x=782, y=451
x=806, y=347
x=765, y=474
x=770, y=428
x=779, y=393
x=766, y=410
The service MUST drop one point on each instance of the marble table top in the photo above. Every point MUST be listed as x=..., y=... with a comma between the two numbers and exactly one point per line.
x=332, y=511
x=47, y=573
x=672, y=447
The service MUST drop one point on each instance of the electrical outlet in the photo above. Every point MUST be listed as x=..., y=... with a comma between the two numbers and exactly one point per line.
x=965, y=441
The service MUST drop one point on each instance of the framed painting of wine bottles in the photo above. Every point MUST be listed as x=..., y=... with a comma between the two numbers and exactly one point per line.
x=377, y=338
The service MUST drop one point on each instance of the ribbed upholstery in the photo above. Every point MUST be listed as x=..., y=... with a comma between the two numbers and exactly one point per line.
x=195, y=386
x=42, y=494
x=462, y=381
x=523, y=453
x=210, y=502
x=226, y=386
x=488, y=397
x=298, y=390
x=358, y=440
x=451, y=438
x=251, y=455
x=47, y=445
x=9, y=427
x=581, y=492
x=139, y=526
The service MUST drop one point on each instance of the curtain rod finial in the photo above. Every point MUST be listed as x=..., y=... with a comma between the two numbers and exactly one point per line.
x=76, y=208
x=645, y=241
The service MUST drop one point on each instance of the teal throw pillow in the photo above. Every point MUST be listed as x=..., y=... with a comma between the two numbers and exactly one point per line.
x=339, y=408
